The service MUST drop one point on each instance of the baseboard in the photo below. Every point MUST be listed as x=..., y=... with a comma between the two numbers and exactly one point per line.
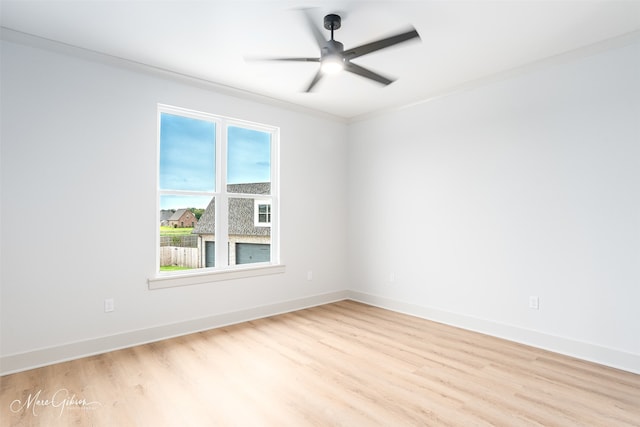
x=581, y=350
x=42, y=357
x=47, y=356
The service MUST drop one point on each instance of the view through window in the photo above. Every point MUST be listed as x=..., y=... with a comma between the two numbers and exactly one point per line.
x=216, y=191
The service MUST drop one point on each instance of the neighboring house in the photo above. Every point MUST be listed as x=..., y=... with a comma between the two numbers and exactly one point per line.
x=182, y=218
x=249, y=227
x=165, y=216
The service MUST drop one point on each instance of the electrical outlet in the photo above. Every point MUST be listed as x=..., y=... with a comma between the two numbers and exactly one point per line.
x=534, y=303
x=109, y=305
x=309, y=275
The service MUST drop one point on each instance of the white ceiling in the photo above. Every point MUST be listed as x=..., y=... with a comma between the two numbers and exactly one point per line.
x=462, y=41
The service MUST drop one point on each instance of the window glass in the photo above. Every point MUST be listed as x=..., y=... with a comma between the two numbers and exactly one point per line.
x=179, y=217
x=248, y=243
x=249, y=159
x=187, y=153
x=262, y=213
x=206, y=224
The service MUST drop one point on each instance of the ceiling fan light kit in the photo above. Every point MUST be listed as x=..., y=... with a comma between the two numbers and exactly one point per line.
x=332, y=64
x=333, y=58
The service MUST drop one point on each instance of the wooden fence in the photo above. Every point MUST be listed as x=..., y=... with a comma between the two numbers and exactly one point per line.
x=185, y=241
x=179, y=256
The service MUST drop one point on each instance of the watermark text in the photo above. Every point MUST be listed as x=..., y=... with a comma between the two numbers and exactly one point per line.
x=62, y=399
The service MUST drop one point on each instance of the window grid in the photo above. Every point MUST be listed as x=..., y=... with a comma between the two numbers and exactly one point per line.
x=220, y=193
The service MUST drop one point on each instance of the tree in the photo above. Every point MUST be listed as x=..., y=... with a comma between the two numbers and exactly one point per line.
x=197, y=212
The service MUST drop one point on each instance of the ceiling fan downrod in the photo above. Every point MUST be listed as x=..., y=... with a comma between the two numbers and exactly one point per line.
x=332, y=22
x=331, y=54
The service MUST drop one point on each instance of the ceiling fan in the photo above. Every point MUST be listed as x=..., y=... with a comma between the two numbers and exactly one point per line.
x=333, y=58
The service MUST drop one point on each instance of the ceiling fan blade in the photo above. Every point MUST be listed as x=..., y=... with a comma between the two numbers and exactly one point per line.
x=259, y=58
x=317, y=33
x=361, y=71
x=380, y=44
x=315, y=80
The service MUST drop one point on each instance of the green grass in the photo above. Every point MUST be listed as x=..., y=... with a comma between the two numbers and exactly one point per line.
x=173, y=268
x=170, y=231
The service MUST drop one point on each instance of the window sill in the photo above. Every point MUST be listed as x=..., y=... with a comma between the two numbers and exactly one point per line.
x=171, y=280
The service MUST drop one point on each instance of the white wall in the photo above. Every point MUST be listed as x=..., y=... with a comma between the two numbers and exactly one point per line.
x=474, y=201
x=528, y=186
x=78, y=166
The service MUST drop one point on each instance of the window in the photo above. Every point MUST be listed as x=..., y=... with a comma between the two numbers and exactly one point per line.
x=217, y=193
x=262, y=213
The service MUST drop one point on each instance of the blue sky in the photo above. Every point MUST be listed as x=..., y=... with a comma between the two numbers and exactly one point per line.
x=249, y=153
x=187, y=158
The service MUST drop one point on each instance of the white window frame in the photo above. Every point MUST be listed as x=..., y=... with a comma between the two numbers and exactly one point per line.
x=256, y=214
x=222, y=271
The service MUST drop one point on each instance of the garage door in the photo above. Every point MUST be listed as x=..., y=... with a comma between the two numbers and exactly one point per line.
x=209, y=254
x=247, y=253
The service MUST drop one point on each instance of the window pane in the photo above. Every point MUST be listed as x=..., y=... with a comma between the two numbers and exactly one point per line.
x=205, y=231
x=179, y=220
x=187, y=153
x=190, y=194
x=264, y=214
x=249, y=161
x=247, y=242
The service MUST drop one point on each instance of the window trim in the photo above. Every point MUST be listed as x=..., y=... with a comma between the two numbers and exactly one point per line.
x=166, y=279
x=208, y=275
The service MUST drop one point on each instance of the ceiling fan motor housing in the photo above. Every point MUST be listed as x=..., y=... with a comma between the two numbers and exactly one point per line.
x=332, y=47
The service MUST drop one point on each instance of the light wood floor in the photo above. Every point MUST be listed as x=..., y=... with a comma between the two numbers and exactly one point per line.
x=339, y=364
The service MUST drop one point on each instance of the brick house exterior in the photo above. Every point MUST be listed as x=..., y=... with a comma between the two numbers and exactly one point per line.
x=182, y=218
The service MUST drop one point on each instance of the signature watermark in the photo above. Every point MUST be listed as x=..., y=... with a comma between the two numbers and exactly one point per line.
x=62, y=399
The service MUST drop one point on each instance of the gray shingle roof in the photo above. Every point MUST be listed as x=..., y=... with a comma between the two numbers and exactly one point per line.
x=207, y=222
x=165, y=214
x=241, y=215
x=251, y=188
x=177, y=214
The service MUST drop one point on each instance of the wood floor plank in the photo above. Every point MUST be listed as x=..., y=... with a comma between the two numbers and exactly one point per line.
x=344, y=363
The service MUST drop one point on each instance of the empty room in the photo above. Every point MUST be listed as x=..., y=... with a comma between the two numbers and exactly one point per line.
x=292, y=213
